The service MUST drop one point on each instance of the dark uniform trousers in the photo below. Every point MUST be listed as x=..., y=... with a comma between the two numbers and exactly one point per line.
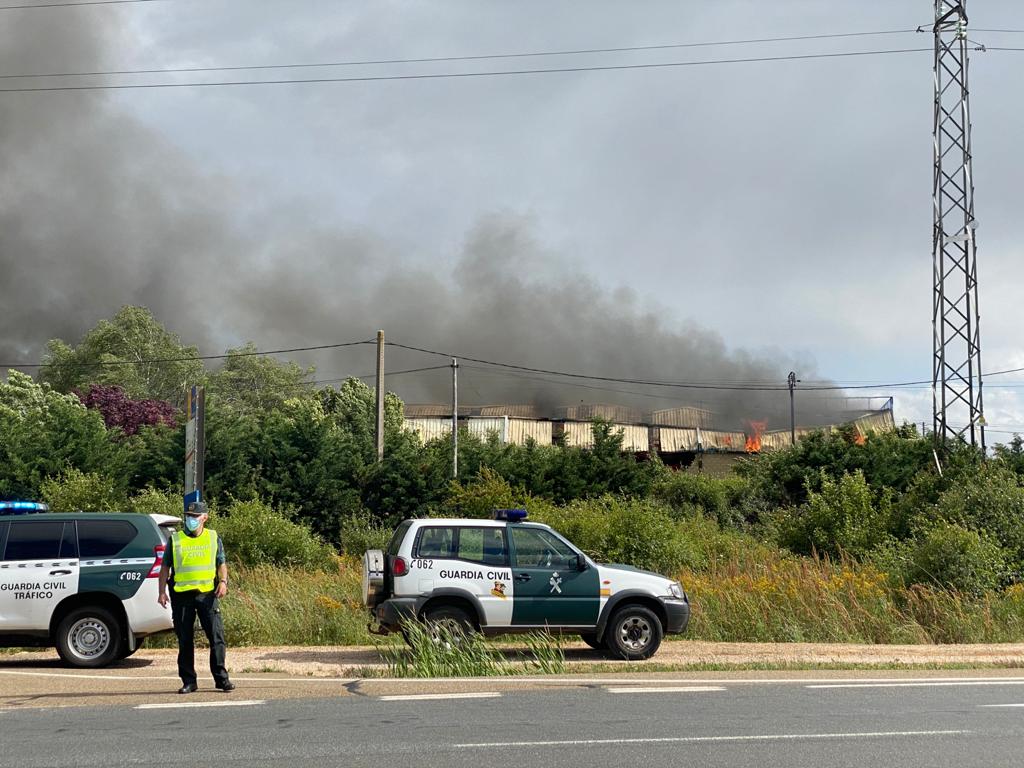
x=185, y=606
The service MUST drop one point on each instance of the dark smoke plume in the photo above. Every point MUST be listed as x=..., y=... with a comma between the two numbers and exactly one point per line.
x=97, y=211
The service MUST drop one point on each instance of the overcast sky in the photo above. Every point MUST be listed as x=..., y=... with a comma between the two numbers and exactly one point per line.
x=785, y=207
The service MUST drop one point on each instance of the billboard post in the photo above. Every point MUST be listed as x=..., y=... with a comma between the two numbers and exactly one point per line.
x=195, y=445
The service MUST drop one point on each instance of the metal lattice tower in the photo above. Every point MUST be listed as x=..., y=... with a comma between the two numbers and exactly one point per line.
x=956, y=365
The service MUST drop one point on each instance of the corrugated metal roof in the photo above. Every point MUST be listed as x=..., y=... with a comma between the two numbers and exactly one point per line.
x=684, y=416
x=428, y=428
x=620, y=414
x=516, y=410
x=677, y=439
x=432, y=410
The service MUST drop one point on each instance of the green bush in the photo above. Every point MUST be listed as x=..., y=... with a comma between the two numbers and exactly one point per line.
x=360, y=532
x=956, y=558
x=992, y=501
x=74, y=491
x=256, y=534
x=154, y=502
x=637, y=532
x=720, y=498
x=479, y=499
x=841, y=518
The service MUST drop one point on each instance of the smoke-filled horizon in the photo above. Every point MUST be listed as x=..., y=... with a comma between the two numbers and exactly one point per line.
x=98, y=211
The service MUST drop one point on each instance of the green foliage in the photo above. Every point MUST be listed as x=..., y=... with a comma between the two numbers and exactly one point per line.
x=360, y=532
x=132, y=334
x=840, y=518
x=153, y=502
x=992, y=501
x=444, y=651
x=256, y=534
x=77, y=491
x=479, y=499
x=254, y=382
x=44, y=433
x=956, y=558
x=719, y=498
x=637, y=532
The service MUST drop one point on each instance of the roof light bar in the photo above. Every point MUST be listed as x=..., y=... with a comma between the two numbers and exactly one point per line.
x=511, y=515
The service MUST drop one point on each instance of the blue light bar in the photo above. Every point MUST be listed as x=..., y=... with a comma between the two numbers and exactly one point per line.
x=511, y=515
x=18, y=507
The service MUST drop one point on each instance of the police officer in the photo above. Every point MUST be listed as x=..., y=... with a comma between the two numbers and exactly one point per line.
x=195, y=557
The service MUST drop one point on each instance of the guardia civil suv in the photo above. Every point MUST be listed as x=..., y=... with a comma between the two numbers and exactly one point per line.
x=85, y=582
x=509, y=575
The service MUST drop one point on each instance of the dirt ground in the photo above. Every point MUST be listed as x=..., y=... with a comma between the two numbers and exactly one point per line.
x=354, y=661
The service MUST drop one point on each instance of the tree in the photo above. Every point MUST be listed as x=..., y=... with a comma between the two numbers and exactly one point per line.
x=250, y=381
x=45, y=433
x=120, y=411
x=115, y=352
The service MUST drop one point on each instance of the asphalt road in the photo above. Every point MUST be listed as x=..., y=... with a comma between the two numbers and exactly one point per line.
x=889, y=721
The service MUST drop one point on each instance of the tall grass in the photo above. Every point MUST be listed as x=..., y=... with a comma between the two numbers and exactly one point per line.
x=742, y=593
x=441, y=651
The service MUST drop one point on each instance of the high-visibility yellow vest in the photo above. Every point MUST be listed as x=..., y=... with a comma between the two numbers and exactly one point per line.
x=195, y=560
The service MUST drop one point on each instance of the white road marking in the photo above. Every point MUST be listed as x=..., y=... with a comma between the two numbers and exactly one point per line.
x=994, y=706
x=441, y=696
x=921, y=684
x=192, y=704
x=712, y=739
x=303, y=678
x=665, y=689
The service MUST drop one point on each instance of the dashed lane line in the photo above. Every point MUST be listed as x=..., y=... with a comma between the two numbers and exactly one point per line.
x=998, y=706
x=919, y=684
x=710, y=739
x=197, y=704
x=665, y=689
x=441, y=696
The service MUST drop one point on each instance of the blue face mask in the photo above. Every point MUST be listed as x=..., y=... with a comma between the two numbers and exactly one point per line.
x=191, y=524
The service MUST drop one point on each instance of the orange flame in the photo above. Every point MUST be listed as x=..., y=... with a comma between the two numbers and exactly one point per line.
x=859, y=438
x=757, y=429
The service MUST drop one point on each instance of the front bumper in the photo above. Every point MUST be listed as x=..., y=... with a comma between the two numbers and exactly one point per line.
x=391, y=613
x=677, y=613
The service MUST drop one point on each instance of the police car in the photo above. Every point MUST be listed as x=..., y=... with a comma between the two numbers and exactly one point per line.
x=509, y=575
x=85, y=582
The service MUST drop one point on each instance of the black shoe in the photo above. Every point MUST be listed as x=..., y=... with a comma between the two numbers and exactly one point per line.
x=227, y=686
x=188, y=688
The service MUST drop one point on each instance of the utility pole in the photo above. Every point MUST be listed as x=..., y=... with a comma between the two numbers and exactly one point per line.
x=379, y=434
x=956, y=340
x=455, y=418
x=791, y=381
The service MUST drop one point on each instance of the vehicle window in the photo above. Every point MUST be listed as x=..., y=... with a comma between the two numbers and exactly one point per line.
x=104, y=538
x=483, y=545
x=34, y=540
x=537, y=548
x=68, y=542
x=436, y=542
x=396, y=538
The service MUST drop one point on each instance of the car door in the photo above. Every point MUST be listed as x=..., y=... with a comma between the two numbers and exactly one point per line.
x=38, y=570
x=550, y=590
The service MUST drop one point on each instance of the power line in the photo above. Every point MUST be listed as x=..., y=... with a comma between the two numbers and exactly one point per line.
x=437, y=59
x=190, y=358
x=72, y=5
x=456, y=75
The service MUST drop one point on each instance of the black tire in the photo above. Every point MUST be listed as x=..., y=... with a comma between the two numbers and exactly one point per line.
x=89, y=637
x=455, y=619
x=590, y=638
x=634, y=633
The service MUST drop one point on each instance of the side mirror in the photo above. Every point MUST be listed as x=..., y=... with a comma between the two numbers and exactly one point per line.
x=581, y=563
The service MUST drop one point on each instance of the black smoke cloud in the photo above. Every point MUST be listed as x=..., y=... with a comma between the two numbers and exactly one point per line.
x=98, y=211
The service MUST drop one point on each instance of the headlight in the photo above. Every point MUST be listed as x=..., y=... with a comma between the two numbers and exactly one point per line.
x=676, y=590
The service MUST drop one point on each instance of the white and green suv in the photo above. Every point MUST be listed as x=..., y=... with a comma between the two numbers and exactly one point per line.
x=507, y=575
x=85, y=582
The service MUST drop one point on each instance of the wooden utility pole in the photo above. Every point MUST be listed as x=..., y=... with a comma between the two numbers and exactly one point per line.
x=380, y=396
x=791, y=381
x=455, y=418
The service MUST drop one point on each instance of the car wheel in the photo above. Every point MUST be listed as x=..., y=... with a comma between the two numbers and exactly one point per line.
x=448, y=623
x=634, y=633
x=590, y=638
x=89, y=637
